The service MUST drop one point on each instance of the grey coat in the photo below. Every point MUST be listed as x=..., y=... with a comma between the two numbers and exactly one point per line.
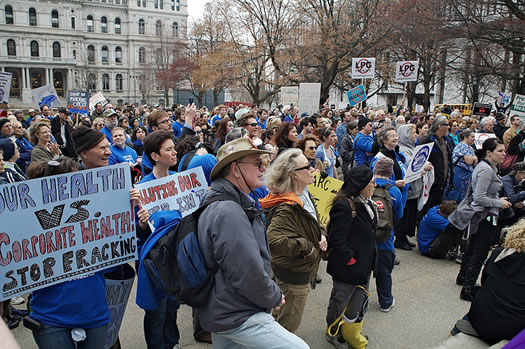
x=485, y=197
x=239, y=246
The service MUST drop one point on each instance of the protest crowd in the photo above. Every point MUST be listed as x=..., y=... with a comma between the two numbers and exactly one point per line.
x=447, y=184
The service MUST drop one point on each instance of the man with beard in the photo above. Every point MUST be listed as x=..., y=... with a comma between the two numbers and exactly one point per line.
x=110, y=121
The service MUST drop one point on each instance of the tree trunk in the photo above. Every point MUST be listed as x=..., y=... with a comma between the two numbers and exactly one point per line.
x=216, y=93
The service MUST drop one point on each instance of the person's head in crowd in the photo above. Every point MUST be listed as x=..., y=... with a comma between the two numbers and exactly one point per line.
x=6, y=127
x=180, y=115
x=500, y=118
x=63, y=114
x=515, y=121
x=205, y=117
x=462, y=124
x=263, y=115
x=139, y=133
x=159, y=120
x=447, y=207
x=31, y=113
x=110, y=118
x=10, y=150
x=429, y=119
x=273, y=121
x=198, y=132
x=308, y=145
x=400, y=120
x=222, y=110
x=365, y=126
x=352, y=128
x=380, y=114
x=268, y=134
x=383, y=167
x=286, y=135
x=289, y=172
x=474, y=124
x=306, y=126
x=439, y=126
x=19, y=115
x=387, y=137
x=18, y=129
x=46, y=112
x=239, y=162
x=61, y=165
x=160, y=148
x=327, y=136
x=286, y=109
x=468, y=137
x=85, y=120
x=98, y=124
x=248, y=122
x=119, y=137
x=40, y=133
x=99, y=108
x=493, y=151
x=518, y=171
x=407, y=135
x=235, y=133
x=134, y=122
x=222, y=128
x=386, y=122
x=92, y=147
x=487, y=124
x=515, y=237
x=453, y=126
x=358, y=180
x=123, y=122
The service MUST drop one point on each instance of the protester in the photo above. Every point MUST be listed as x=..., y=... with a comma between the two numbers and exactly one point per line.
x=193, y=153
x=352, y=244
x=422, y=131
x=294, y=234
x=514, y=191
x=364, y=146
x=222, y=128
x=120, y=152
x=12, y=173
x=346, y=146
x=24, y=147
x=326, y=151
x=178, y=124
x=137, y=139
x=512, y=131
x=98, y=124
x=61, y=130
x=285, y=136
x=500, y=127
x=308, y=146
x=44, y=149
x=453, y=133
x=6, y=128
x=463, y=162
x=110, y=122
x=306, y=128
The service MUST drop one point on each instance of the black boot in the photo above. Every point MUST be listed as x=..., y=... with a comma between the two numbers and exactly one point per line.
x=460, y=279
x=471, y=277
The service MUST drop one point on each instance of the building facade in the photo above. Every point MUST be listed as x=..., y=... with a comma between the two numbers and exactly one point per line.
x=108, y=46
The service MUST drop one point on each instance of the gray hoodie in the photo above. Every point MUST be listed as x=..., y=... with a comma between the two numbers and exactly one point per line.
x=227, y=237
x=406, y=146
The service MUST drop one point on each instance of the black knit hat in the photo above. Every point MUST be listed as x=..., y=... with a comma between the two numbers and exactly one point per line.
x=8, y=147
x=3, y=121
x=356, y=180
x=362, y=123
x=85, y=138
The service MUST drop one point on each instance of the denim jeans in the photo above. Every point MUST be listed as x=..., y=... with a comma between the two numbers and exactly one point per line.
x=385, y=265
x=260, y=331
x=51, y=337
x=160, y=325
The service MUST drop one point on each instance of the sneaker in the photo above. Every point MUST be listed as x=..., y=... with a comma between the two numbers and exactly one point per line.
x=177, y=346
x=386, y=310
x=17, y=300
x=459, y=258
x=337, y=341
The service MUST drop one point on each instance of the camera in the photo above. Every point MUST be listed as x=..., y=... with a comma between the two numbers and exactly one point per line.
x=520, y=186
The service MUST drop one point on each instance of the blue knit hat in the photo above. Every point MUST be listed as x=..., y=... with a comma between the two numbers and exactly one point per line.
x=8, y=147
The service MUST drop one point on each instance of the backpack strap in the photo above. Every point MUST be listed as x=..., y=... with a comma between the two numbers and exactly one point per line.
x=387, y=186
x=187, y=160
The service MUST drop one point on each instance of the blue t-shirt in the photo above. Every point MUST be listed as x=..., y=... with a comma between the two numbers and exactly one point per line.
x=108, y=134
x=119, y=155
x=214, y=119
x=430, y=227
x=397, y=206
x=340, y=131
x=177, y=128
x=262, y=126
x=328, y=160
x=287, y=118
x=206, y=161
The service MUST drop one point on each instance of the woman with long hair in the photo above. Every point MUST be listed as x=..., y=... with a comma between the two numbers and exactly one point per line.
x=137, y=139
x=285, y=136
x=40, y=136
x=222, y=128
x=326, y=151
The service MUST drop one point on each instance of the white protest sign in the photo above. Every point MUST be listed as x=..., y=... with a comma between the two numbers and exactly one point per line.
x=46, y=95
x=518, y=107
x=479, y=138
x=5, y=86
x=95, y=99
x=416, y=165
x=63, y=227
x=363, y=68
x=289, y=95
x=504, y=98
x=182, y=191
x=309, y=97
x=406, y=71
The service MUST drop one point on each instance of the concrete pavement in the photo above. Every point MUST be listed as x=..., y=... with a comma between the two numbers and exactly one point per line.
x=427, y=306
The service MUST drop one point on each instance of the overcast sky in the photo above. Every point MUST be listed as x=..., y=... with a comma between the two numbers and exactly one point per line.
x=195, y=8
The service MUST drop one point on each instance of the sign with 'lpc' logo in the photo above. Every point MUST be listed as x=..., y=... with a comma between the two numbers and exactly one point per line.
x=356, y=95
x=406, y=71
x=363, y=68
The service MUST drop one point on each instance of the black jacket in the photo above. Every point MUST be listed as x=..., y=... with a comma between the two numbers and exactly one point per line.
x=498, y=309
x=68, y=148
x=436, y=159
x=351, y=237
x=516, y=146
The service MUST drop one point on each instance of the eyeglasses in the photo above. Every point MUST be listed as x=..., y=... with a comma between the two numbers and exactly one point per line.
x=310, y=148
x=307, y=167
x=444, y=125
x=164, y=121
x=260, y=164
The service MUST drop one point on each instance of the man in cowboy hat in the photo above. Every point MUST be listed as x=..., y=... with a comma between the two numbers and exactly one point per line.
x=232, y=236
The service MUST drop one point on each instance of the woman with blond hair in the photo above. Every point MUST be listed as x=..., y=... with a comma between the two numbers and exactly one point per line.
x=40, y=136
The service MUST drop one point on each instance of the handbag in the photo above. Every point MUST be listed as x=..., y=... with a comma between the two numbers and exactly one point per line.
x=508, y=161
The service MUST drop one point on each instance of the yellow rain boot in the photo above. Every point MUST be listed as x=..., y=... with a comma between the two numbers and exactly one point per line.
x=352, y=335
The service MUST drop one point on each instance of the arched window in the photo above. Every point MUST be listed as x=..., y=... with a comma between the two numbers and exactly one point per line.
x=175, y=29
x=9, y=19
x=54, y=19
x=161, y=4
x=91, y=53
x=158, y=28
x=56, y=49
x=92, y=82
x=105, y=54
x=15, y=82
x=141, y=26
x=104, y=24
x=156, y=3
x=138, y=3
x=118, y=55
x=142, y=55
x=32, y=17
x=36, y=78
x=117, y=26
x=90, y=23
x=105, y=82
x=58, y=81
x=11, y=47
x=118, y=82
x=34, y=49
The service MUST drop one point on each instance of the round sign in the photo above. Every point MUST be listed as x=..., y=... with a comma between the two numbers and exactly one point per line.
x=420, y=159
x=363, y=66
x=407, y=69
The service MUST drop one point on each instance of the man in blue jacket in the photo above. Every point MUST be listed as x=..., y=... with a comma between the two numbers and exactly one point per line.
x=364, y=146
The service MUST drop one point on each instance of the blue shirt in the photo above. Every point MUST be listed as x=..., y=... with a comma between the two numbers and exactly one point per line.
x=430, y=227
x=328, y=160
x=206, y=161
x=287, y=118
x=397, y=207
x=119, y=155
x=108, y=134
x=362, y=145
x=215, y=118
x=177, y=128
x=262, y=126
x=340, y=131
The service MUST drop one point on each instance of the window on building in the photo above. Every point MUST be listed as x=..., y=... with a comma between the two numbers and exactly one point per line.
x=173, y=5
x=90, y=23
x=92, y=82
x=54, y=19
x=142, y=55
x=141, y=26
x=138, y=3
x=118, y=55
x=158, y=28
x=175, y=29
x=58, y=82
x=161, y=4
x=104, y=24
x=37, y=78
x=34, y=49
x=156, y=3
x=72, y=22
x=143, y=3
x=74, y=54
x=32, y=17
x=158, y=56
x=118, y=82
x=105, y=54
x=9, y=19
x=117, y=2
x=91, y=54
x=117, y=26
x=105, y=82
x=56, y=49
x=178, y=5
x=11, y=47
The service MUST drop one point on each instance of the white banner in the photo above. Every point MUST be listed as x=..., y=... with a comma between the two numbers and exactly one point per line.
x=406, y=71
x=363, y=68
x=5, y=86
x=416, y=165
x=289, y=95
x=479, y=138
x=518, y=107
x=95, y=99
x=46, y=95
x=309, y=97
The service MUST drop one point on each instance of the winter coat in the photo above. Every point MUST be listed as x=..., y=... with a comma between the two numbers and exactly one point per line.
x=436, y=158
x=346, y=151
x=407, y=147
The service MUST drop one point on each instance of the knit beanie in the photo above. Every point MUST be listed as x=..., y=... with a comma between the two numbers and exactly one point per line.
x=356, y=179
x=85, y=138
x=362, y=123
x=3, y=121
x=8, y=147
x=384, y=167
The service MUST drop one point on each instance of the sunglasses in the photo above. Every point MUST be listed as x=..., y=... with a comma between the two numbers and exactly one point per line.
x=164, y=121
x=307, y=167
x=310, y=148
x=254, y=124
x=260, y=163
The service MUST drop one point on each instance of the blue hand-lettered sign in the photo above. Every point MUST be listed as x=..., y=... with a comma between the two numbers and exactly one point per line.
x=356, y=95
